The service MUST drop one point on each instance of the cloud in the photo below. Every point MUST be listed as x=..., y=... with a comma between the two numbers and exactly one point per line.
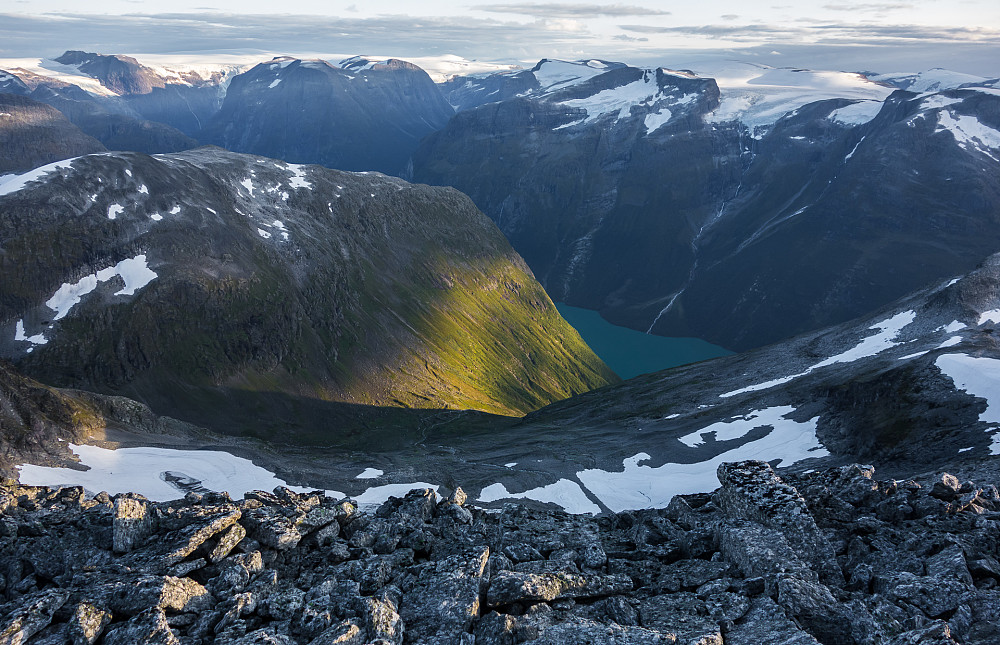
x=810, y=31
x=630, y=39
x=871, y=7
x=571, y=10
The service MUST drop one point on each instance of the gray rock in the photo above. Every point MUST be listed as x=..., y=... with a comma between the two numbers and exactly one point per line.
x=227, y=542
x=348, y=632
x=382, y=619
x=582, y=630
x=33, y=614
x=813, y=607
x=444, y=600
x=949, y=563
x=682, y=614
x=937, y=633
x=195, y=535
x=508, y=587
x=946, y=487
x=766, y=624
x=133, y=595
x=132, y=523
x=758, y=551
x=87, y=624
x=148, y=628
x=934, y=597
x=752, y=491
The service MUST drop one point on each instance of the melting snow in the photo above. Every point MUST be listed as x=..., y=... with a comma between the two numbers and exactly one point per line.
x=640, y=486
x=510, y=465
x=737, y=427
x=951, y=342
x=980, y=377
x=968, y=131
x=557, y=74
x=274, y=83
x=656, y=119
x=298, y=179
x=156, y=217
x=128, y=172
x=143, y=470
x=115, y=210
x=564, y=492
x=13, y=183
x=617, y=99
x=37, y=339
x=264, y=234
x=991, y=316
x=134, y=271
x=856, y=113
x=854, y=149
x=175, y=210
x=379, y=494
x=248, y=184
x=143, y=190
x=370, y=473
x=885, y=339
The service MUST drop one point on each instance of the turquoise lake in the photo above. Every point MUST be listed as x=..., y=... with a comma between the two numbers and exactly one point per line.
x=631, y=353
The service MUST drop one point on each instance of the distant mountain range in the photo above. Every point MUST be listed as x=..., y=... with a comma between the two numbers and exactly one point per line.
x=741, y=205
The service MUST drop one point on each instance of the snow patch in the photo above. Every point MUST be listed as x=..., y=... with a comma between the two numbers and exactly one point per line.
x=156, y=217
x=856, y=113
x=885, y=339
x=248, y=184
x=738, y=427
x=639, y=486
x=133, y=271
x=274, y=84
x=143, y=190
x=143, y=470
x=655, y=120
x=13, y=183
x=564, y=492
x=37, y=339
x=616, y=99
x=969, y=132
x=378, y=495
x=991, y=316
x=298, y=179
x=175, y=210
x=115, y=210
x=264, y=234
x=978, y=376
x=370, y=473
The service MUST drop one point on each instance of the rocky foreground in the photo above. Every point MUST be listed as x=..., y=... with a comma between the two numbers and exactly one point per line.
x=839, y=557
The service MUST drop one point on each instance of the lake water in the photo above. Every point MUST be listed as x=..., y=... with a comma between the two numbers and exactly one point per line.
x=631, y=353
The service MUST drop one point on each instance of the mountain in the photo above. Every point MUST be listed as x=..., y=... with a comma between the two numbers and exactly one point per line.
x=33, y=134
x=245, y=294
x=363, y=115
x=108, y=119
x=468, y=91
x=779, y=202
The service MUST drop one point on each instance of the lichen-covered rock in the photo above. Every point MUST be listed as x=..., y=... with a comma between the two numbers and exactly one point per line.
x=132, y=523
x=147, y=628
x=444, y=599
x=87, y=624
x=508, y=587
x=33, y=614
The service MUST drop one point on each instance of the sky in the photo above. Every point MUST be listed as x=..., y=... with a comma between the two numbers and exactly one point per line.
x=889, y=36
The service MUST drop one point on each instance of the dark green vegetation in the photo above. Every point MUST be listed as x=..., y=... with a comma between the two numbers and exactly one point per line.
x=631, y=353
x=383, y=294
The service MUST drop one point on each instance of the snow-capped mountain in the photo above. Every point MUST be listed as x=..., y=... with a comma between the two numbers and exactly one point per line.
x=211, y=284
x=741, y=209
x=364, y=116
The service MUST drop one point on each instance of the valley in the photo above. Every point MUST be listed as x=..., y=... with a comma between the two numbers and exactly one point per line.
x=596, y=352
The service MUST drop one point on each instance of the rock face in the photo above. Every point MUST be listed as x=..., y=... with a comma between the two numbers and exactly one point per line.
x=33, y=134
x=308, y=284
x=416, y=571
x=641, y=194
x=365, y=116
